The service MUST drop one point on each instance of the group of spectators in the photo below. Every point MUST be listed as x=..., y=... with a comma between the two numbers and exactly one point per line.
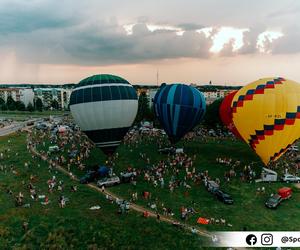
x=176, y=172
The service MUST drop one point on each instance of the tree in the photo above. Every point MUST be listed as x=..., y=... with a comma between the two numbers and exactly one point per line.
x=10, y=103
x=20, y=106
x=212, y=118
x=30, y=107
x=54, y=104
x=68, y=107
x=39, y=104
x=4, y=107
x=144, y=111
x=2, y=104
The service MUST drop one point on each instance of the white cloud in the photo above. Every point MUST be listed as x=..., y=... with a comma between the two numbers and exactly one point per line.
x=265, y=39
x=128, y=28
x=206, y=31
x=155, y=27
x=226, y=35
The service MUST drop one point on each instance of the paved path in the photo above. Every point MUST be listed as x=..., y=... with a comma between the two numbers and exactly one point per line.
x=133, y=206
x=15, y=126
x=11, y=128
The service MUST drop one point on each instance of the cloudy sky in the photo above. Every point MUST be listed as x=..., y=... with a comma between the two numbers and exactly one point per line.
x=191, y=41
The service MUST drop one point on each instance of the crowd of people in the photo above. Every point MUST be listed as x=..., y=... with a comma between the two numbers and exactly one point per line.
x=177, y=172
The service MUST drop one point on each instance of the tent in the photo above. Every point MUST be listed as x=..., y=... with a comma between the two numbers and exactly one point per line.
x=103, y=171
x=203, y=221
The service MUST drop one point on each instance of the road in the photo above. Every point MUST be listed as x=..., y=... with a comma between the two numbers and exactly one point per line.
x=15, y=126
x=11, y=128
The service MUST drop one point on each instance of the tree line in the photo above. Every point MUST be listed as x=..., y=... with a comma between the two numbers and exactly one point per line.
x=37, y=105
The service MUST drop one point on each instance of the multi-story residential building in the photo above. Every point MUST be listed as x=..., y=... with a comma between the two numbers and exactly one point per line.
x=61, y=93
x=24, y=95
x=28, y=93
x=48, y=95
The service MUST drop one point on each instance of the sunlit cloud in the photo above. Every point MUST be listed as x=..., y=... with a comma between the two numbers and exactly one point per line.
x=206, y=31
x=226, y=35
x=218, y=36
x=154, y=27
x=128, y=28
x=265, y=39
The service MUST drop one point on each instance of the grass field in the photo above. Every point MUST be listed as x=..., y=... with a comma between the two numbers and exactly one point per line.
x=73, y=227
x=25, y=115
x=78, y=227
x=248, y=210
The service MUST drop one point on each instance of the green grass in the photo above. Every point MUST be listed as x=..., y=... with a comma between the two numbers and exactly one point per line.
x=248, y=210
x=74, y=227
x=25, y=115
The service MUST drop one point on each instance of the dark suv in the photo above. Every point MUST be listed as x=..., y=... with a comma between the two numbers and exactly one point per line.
x=88, y=177
x=225, y=198
x=273, y=201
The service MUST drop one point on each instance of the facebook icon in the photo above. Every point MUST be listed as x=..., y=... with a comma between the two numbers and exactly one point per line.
x=251, y=239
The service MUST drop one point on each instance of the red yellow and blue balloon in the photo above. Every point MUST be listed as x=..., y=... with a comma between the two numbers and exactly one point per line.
x=267, y=115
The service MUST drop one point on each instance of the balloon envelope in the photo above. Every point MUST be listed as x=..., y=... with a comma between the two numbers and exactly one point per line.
x=179, y=108
x=267, y=115
x=225, y=113
x=104, y=106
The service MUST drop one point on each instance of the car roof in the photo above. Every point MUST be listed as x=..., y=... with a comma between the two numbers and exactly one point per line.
x=276, y=196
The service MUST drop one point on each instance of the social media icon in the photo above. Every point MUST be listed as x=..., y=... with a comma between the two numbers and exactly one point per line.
x=267, y=239
x=251, y=239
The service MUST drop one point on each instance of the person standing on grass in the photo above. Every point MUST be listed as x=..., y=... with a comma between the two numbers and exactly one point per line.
x=25, y=226
x=61, y=201
x=158, y=216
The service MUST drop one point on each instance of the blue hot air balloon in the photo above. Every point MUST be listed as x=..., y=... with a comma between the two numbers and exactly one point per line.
x=179, y=108
x=104, y=106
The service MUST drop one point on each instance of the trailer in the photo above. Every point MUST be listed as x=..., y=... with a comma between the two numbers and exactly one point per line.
x=285, y=192
x=268, y=175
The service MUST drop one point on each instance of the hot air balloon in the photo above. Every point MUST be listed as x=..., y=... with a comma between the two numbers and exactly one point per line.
x=267, y=115
x=225, y=113
x=179, y=108
x=104, y=106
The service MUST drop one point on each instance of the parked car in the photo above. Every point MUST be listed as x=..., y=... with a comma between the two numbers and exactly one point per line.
x=224, y=197
x=293, y=148
x=284, y=193
x=167, y=150
x=53, y=149
x=41, y=126
x=88, y=177
x=126, y=177
x=171, y=150
x=30, y=123
x=290, y=178
x=107, y=182
x=273, y=201
x=212, y=187
x=73, y=154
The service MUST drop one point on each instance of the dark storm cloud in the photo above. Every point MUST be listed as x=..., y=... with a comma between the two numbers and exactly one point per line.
x=116, y=47
x=288, y=44
x=190, y=26
x=28, y=16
